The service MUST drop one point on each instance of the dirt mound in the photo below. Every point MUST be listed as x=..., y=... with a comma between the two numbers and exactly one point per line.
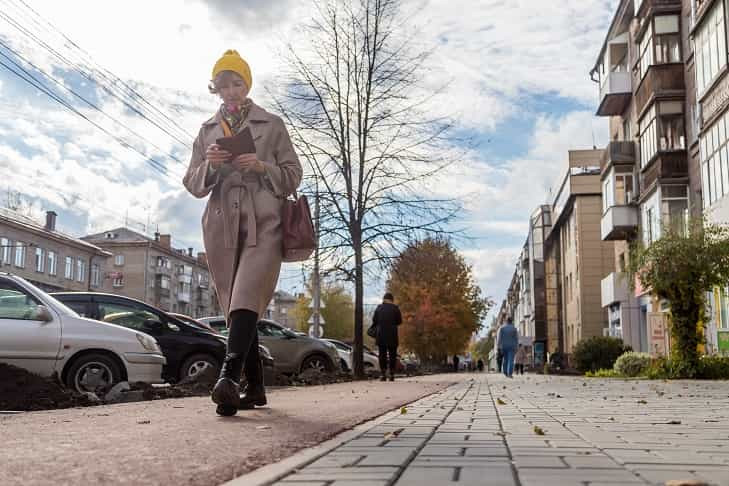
x=22, y=390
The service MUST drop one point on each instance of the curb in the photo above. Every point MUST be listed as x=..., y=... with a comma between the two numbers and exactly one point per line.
x=271, y=473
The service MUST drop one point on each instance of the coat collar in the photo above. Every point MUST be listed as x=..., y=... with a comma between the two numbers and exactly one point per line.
x=256, y=114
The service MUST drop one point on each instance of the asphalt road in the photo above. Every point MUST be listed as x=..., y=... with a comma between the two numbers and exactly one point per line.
x=182, y=441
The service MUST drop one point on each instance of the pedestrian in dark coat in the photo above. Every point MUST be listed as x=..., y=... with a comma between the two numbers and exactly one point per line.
x=386, y=318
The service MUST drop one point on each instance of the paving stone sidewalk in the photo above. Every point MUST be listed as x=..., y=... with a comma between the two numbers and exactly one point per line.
x=540, y=430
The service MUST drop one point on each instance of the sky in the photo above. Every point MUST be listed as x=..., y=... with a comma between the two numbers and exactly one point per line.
x=517, y=76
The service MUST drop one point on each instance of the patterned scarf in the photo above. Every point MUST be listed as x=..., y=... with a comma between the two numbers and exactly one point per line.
x=234, y=116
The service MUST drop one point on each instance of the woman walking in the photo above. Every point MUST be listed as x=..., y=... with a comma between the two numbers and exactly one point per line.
x=242, y=221
x=522, y=359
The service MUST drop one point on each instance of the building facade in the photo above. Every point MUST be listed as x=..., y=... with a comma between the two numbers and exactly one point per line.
x=649, y=174
x=708, y=34
x=152, y=271
x=577, y=256
x=46, y=257
x=281, y=307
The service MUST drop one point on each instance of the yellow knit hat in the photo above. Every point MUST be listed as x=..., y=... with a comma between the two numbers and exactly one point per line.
x=231, y=61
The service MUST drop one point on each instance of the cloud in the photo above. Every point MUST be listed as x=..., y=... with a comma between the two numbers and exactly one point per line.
x=260, y=16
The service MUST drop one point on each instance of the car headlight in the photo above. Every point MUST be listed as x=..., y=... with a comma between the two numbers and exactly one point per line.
x=148, y=343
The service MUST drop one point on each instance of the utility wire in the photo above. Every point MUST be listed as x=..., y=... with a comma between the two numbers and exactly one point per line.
x=102, y=70
x=30, y=79
x=89, y=103
x=90, y=77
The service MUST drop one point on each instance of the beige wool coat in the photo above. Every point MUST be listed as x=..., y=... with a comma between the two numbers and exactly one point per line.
x=242, y=220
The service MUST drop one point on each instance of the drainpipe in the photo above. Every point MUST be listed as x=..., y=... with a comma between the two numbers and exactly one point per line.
x=146, y=266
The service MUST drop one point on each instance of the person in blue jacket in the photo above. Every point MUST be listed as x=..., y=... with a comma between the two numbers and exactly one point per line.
x=508, y=340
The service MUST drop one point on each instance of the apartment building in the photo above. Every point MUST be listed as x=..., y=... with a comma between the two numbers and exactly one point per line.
x=151, y=270
x=281, y=307
x=709, y=36
x=46, y=257
x=577, y=255
x=649, y=172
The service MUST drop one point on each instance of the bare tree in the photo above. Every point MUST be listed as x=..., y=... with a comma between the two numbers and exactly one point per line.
x=355, y=101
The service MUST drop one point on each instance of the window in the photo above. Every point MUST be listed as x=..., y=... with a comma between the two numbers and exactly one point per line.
x=95, y=275
x=16, y=303
x=661, y=44
x=52, y=263
x=627, y=136
x=164, y=282
x=118, y=281
x=163, y=262
x=68, y=273
x=674, y=207
x=39, y=260
x=714, y=152
x=20, y=254
x=129, y=316
x=710, y=48
x=80, y=270
x=119, y=260
x=6, y=250
x=661, y=129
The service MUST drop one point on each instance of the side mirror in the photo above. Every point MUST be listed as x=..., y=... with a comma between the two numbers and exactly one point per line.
x=152, y=325
x=43, y=314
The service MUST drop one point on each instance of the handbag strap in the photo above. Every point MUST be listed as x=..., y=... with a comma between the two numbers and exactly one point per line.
x=226, y=128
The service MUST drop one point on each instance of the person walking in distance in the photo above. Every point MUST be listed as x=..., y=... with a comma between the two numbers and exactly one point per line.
x=387, y=318
x=508, y=339
x=499, y=354
x=241, y=223
x=521, y=359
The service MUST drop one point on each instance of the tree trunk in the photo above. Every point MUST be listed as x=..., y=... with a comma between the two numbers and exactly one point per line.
x=358, y=363
x=684, y=330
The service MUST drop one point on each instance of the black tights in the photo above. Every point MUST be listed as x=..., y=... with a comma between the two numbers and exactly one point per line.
x=388, y=358
x=243, y=340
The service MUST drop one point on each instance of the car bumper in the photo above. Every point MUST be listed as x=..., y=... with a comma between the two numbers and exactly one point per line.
x=144, y=367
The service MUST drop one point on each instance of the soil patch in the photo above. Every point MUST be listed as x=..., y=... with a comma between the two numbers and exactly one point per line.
x=21, y=390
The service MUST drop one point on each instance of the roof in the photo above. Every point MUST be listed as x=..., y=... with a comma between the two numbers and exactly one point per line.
x=125, y=236
x=26, y=222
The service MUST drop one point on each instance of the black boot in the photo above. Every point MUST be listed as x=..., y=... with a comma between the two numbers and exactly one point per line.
x=383, y=377
x=227, y=389
x=254, y=394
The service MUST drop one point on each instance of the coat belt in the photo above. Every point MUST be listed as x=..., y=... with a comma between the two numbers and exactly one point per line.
x=237, y=198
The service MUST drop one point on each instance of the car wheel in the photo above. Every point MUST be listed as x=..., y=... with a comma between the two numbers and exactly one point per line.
x=317, y=362
x=93, y=373
x=195, y=364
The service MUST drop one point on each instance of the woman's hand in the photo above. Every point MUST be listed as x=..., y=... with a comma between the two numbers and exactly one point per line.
x=216, y=155
x=248, y=163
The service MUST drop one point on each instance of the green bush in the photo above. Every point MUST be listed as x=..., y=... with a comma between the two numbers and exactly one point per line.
x=599, y=352
x=632, y=364
x=603, y=373
x=713, y=368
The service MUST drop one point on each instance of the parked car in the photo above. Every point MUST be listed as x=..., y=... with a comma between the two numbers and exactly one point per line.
x=345, y=355
x=291, y=352
x=188, y=348
x=269, y=371
x=40, y=334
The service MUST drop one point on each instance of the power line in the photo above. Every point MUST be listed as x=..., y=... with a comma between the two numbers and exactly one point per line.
x=155, y=164
x=92, y=79
x=74, y=93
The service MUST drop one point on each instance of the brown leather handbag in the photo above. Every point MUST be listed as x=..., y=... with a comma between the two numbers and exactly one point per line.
x=299, y=239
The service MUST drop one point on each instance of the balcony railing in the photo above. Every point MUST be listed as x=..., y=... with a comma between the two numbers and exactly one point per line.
x=617, y=153
x=660, y=80
x=183, y=297
x=615, y=93
x=614, y=288
x=619, y=223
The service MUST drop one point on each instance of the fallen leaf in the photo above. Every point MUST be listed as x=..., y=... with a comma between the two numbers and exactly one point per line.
x=403, y=410
x=500, y=401
x=144, y=421
x=538, y=430
x=263, y=427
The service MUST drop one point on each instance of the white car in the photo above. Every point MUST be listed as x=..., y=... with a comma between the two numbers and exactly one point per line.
x=344, y=351
x=40, y=334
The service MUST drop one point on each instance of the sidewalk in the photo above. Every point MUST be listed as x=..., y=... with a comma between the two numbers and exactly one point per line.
x=489, y=431
x=182, y=441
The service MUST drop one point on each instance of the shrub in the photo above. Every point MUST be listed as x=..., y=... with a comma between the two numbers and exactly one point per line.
x=599, y=352
x=632, y=364
x=713, y=368
x=603, y=373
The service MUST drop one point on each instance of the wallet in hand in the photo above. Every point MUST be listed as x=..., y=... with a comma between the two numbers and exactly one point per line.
x=241, y=143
